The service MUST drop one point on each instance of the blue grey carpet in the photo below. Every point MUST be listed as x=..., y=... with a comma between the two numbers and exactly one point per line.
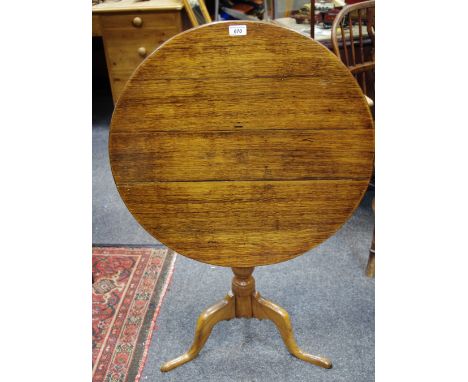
x=330, y=301
x=112, y=222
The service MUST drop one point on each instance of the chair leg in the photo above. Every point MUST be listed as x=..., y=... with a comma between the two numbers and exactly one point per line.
x=370, y=269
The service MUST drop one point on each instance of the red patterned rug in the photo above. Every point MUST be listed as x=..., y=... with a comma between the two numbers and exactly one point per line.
x=128, y=288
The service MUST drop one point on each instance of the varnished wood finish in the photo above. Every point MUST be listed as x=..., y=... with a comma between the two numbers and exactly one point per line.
x=127, y=44
x=159, y=155
x=242, y=222
x=96, y=26
x=216, y=154
x=131, y=30
x=223, y=310
x=264, y=309
x=123, y=6
x=244, y=302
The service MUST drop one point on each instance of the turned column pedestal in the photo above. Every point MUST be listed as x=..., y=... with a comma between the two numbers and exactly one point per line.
x=244, y=302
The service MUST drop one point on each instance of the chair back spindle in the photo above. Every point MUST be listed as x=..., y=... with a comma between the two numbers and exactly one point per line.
x=353, y=41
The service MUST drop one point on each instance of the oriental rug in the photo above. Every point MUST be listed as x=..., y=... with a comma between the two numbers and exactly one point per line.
x=128, y=289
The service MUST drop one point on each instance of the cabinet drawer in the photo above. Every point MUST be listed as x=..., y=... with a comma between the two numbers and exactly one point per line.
x=125, y=50
x=140, y=21
x=130, y=37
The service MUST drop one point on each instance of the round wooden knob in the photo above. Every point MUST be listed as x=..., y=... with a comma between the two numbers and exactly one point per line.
x=137, y=22
x=142, y=51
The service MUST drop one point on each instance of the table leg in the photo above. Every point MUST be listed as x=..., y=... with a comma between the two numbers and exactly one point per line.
x=263, y=308
x=223, y=310
x=244, y=302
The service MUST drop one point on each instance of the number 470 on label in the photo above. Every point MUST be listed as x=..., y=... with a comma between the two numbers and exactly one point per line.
x=237, y=30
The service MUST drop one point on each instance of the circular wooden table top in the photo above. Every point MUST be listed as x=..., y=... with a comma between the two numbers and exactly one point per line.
x=241, y=150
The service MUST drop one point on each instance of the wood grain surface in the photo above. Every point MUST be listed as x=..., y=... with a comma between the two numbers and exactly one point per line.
x=241, y=150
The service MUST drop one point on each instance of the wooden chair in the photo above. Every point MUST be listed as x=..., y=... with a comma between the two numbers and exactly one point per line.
x=353, y=41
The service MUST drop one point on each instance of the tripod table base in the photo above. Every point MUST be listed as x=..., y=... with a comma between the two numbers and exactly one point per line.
x=244, y=302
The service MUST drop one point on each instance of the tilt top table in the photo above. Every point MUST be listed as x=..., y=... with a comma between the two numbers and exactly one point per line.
x=216, y=154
